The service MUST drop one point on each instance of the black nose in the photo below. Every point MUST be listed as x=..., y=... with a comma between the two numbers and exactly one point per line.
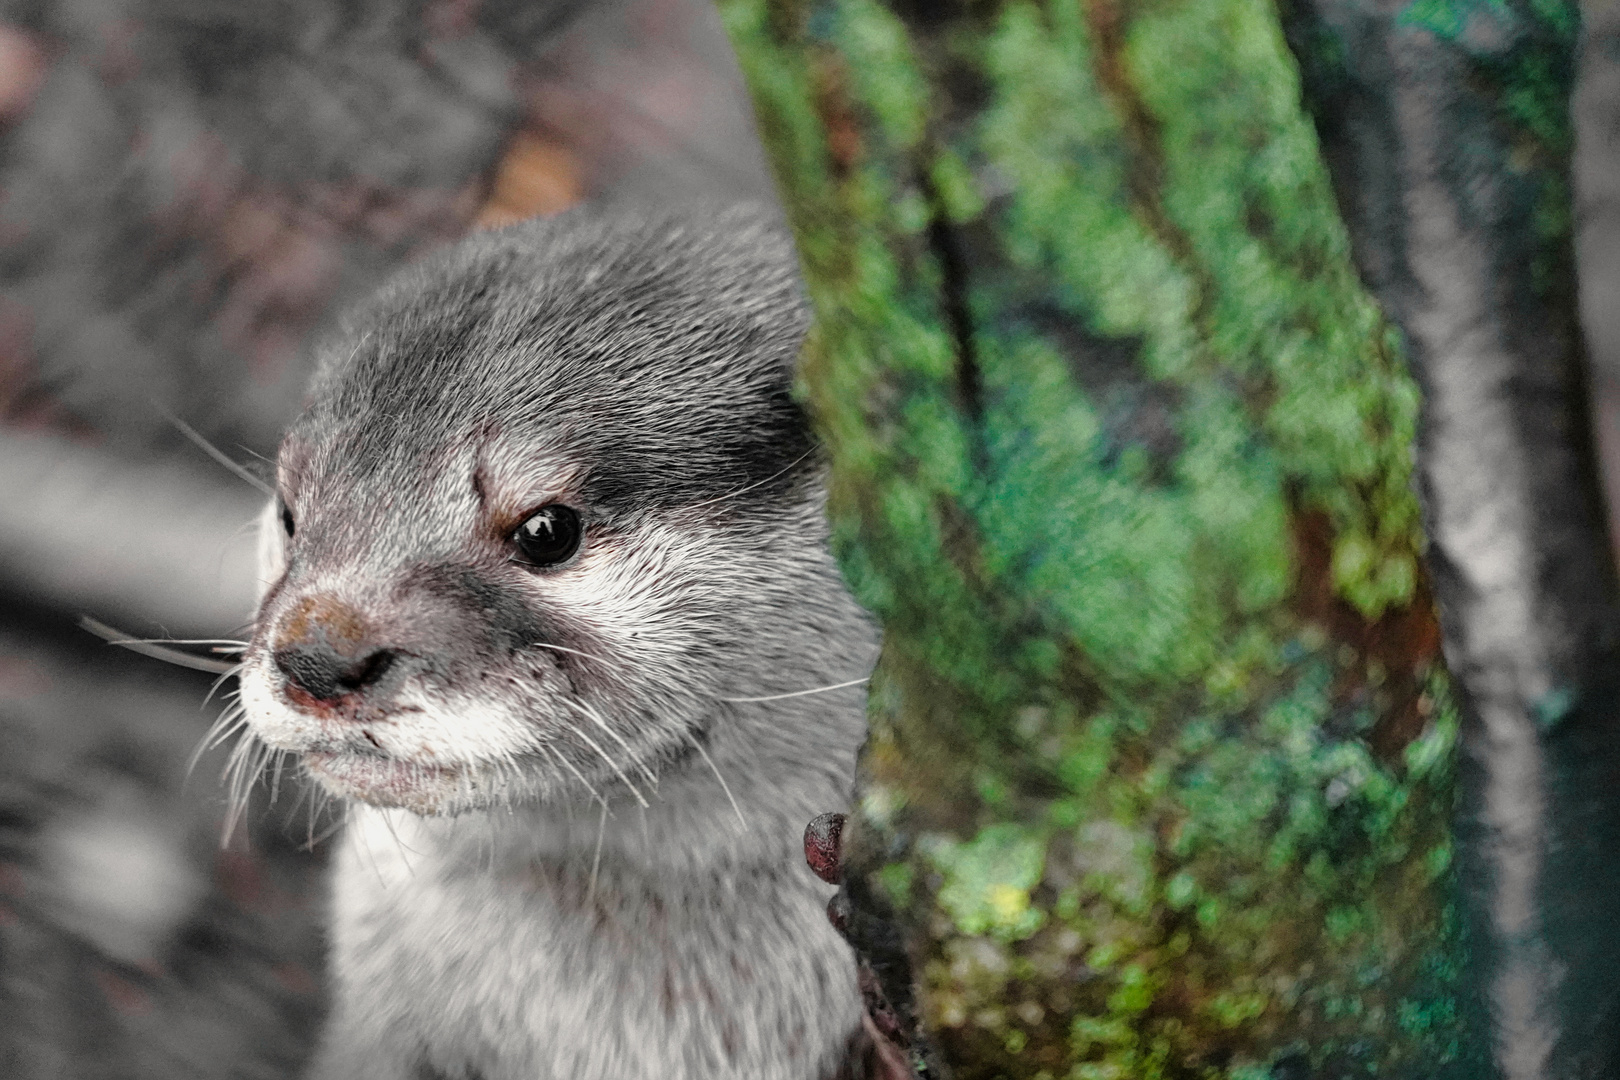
x=326, y=674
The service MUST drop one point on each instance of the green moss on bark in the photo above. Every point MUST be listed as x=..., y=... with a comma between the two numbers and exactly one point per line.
x=1160, y=763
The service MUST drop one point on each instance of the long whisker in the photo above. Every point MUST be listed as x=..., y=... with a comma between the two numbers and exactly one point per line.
x=318, y=806
x=633, y=756
x=275, y=775
x=789, y=467
x=220, y=644
x=156, y=652
x=569, y=765
x=224, y=677
x=247, y=759
x=314, y=812
x=247, y=763
x=596, y=859
x=229, y=723
x=614, y=765
x=801, y=693
x=256, y=769
x=707, y=760
x=364, y=844
x=218, y=455
x=304, y=795
x=575, y=652
x=399, y=845
x=489, y=834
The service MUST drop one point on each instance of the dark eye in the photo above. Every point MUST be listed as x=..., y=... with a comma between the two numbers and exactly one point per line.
x=287, y=520
x=550, y=535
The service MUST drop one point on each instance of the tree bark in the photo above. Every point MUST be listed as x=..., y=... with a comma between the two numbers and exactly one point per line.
x=1159, y=777
x=1448, y=129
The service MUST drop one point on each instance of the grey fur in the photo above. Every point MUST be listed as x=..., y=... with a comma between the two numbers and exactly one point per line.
x=590, y=866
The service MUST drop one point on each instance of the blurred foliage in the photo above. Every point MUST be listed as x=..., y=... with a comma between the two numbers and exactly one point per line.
x=1160, y=773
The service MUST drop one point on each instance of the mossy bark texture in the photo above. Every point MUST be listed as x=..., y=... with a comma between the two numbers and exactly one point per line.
x=1447, y=126
x=1159, y=782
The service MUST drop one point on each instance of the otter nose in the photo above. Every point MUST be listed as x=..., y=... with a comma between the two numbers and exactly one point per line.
x=326, y=649
x=326, y=674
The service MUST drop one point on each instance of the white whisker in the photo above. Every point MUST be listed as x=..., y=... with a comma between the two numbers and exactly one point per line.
x=596, y=859
x=605, y=756
x=789, y=467
x=235, y=669
x=800, y=693
x=723, y=785
x=221, y=644
x=603, y=724
x=156, y=652
x=228, y=723
x=275, y=775
x=304, y=795
x=399, y=845
x=318, y=806
x=218, y=455
x=247, y=760
x=572, y=652
x=563, y=759
x=363, y=842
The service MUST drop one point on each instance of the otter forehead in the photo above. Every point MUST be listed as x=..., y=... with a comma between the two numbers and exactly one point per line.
x=645, y=365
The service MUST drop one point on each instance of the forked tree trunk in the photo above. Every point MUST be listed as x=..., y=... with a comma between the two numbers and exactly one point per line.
x=1160, y=779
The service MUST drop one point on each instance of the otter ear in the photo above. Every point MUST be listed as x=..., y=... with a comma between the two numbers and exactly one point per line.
x=272, y=548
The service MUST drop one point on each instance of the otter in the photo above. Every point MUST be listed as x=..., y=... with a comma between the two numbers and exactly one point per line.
x=550, y=607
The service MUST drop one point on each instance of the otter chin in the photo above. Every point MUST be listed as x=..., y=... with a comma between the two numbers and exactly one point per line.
x=386, y=782
x=548, y=550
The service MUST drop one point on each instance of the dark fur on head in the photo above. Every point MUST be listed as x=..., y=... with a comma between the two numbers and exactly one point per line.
x=659, y=353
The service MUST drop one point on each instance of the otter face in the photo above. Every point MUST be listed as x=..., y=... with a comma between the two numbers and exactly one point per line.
x=552, y=504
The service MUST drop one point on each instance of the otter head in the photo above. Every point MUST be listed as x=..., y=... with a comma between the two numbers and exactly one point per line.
x=551, y=505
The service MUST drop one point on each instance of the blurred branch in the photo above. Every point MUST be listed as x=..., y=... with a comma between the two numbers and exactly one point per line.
x=144, y=544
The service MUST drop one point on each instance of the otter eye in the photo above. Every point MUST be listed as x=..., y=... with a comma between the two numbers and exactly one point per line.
x=549, y=536
x=286, y=520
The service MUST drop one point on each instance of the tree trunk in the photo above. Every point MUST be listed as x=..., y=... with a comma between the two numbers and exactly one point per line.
x=1159, y=778
x=1447, y=126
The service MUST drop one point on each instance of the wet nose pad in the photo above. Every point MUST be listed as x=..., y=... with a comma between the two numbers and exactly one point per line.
x=327, y=650
x=326, y=674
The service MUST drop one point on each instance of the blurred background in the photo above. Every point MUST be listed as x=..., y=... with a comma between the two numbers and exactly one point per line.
x=1121, y=306
x=190, y=191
